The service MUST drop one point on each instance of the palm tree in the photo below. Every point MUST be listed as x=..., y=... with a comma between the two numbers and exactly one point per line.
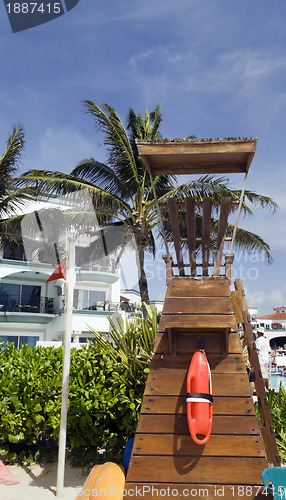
x=121, y=188
x=11, y=197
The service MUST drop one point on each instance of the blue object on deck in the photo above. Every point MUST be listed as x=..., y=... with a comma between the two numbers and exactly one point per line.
x=277, y=476
x=201, y=344
x=127, y=453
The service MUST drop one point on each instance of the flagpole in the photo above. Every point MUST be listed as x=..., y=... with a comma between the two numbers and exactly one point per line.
x=66, y=364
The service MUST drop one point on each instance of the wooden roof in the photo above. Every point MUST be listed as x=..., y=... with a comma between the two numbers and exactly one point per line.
x=197, y=156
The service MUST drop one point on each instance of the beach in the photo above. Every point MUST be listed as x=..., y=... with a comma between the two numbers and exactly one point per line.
x=38, y=482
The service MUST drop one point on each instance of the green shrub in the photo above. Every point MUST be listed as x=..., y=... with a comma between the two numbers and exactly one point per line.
x=103, y=411
x=106, y=386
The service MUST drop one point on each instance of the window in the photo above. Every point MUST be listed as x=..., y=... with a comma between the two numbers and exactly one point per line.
x=19, y=298
x=13, y=252
x=89, y=299
x=18, y=340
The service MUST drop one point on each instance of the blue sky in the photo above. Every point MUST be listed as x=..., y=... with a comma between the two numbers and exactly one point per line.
x=217, y=67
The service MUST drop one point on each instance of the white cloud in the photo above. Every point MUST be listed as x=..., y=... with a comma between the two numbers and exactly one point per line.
x=266, y=301
x=61, y=148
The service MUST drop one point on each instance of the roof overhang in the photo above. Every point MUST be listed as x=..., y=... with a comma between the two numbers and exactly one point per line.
x=197, y=156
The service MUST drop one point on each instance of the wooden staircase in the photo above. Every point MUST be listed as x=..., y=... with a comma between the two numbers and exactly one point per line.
x=165, y=458
x=165, y=461
x=164, y=454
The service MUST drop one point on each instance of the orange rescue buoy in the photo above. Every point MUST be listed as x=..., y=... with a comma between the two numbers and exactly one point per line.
x=199, y=398
x=110, y=482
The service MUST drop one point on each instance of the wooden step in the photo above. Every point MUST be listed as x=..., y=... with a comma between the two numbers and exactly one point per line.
x=206, y=287
x=214, y=470
x=186, y=342
x=197, y=321
x=174, y=384
x=198, y=305
x=232, y=363
x=183, y=445
x=177, y=424
x=223, y=405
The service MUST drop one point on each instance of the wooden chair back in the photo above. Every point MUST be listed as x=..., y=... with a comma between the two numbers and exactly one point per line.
x=211, y=247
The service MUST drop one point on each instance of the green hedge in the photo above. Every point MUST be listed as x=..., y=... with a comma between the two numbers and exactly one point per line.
x=103, y=410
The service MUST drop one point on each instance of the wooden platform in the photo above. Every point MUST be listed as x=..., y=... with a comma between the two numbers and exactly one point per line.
x=165, y=458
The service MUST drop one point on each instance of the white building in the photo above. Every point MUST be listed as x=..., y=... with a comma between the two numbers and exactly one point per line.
x=274, y=327
x=32, y=310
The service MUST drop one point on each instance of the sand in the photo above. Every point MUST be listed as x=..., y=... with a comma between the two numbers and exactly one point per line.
x=38, y=482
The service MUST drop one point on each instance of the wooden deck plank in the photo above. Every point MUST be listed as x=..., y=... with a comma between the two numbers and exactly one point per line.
x=187, y=342
x=198, y=305
x=233, y=363
x=177, y=405
x=198, y=321
x=190, y=287
x=177, y=424
x=216, y=470
x=183, y=445
x=174, y=384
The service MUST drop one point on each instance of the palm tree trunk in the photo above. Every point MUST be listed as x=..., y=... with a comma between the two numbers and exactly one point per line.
x=143, y=285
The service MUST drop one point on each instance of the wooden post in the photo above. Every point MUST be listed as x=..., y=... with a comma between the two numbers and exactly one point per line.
x=228, y=261
x=168, y=259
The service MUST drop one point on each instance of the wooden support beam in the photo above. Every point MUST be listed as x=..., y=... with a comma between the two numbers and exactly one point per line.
x=228, y=261
x=224, y=211
x=191, y=229
x=206, y=234
x=168, y=259
x=173, y=214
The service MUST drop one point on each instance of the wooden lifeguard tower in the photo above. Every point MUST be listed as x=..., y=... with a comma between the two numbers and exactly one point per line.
x=165, y=461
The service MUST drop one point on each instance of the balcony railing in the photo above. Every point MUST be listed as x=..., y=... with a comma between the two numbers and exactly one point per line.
x=105, y=306
x=16, y=303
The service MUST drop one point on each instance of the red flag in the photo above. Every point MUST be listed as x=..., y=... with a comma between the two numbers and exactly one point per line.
x=59, y=272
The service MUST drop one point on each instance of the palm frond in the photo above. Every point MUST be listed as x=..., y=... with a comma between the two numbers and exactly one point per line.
x=121, y=158
x=250, y=242
x=217, y=188
x=102, y=176
x=12, y=154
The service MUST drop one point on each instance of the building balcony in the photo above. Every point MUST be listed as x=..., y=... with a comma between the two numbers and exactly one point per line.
x=16, y=303
x=14, y=308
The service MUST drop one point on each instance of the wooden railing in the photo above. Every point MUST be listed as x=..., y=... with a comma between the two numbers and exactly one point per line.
x=267, y=430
